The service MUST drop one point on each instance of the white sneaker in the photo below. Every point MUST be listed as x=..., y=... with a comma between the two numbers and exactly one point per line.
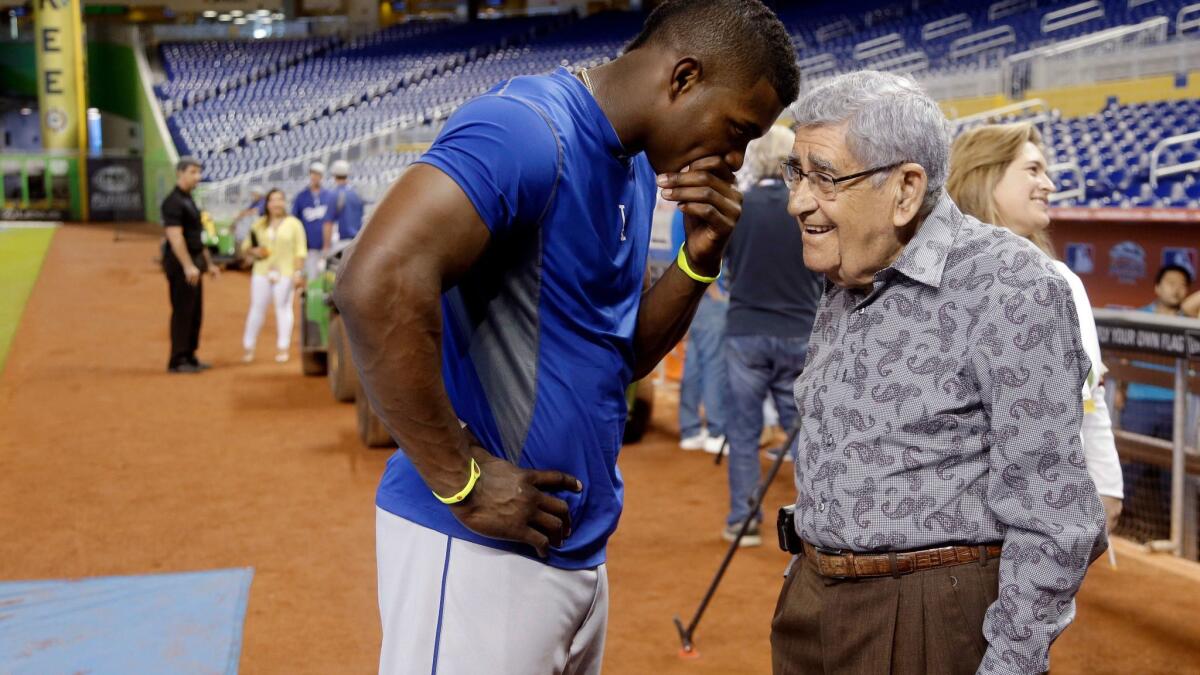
x=713, y=445
x=248, y=357
x=696, y=442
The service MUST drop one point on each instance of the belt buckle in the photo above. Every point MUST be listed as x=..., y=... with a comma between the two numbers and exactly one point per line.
x=839, y=553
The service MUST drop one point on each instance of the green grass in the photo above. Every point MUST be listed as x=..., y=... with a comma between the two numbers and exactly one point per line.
x=21, y=255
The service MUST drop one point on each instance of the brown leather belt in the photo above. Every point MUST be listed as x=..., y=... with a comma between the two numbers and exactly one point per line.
x=849, y=565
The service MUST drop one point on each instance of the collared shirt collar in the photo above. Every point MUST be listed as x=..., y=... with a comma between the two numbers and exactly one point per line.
x=612, y=142
x=924, y=258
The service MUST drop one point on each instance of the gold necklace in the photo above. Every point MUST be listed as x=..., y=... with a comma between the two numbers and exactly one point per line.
x=587, y=81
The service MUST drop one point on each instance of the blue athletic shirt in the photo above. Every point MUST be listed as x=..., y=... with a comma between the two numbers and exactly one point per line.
x=348, y=211
x=314, y=211
x=538, y=338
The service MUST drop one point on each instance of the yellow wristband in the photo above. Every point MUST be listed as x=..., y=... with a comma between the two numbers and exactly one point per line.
x=463, y=493
x=681, y=260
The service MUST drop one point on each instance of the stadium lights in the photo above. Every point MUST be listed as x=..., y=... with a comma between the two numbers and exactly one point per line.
x=224, y=17
x=278, y=16
x=236, y=13
x=26, y=111
x=263, y=12
x=239, y=21
x=210, y=14
x=260, y=33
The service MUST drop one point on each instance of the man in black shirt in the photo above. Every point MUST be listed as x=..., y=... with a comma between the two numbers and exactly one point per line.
x=184, y=259
x=772, y=300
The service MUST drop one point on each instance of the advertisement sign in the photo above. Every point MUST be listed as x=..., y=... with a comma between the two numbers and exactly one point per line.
x=58, y=42
x=115, y=189
x=1181, y=256
x=1081, y=258
x=1127, y=262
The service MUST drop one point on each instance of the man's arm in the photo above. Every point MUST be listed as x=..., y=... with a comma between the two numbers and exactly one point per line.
x=711, y=205
x=1030, y=366
x=423, y=237
x=179, y=250
x=1191, y=305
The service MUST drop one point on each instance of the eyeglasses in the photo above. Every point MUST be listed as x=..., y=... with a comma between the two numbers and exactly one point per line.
x=822, y=184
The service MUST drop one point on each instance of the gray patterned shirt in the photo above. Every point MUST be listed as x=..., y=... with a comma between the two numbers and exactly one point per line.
x=942, y=406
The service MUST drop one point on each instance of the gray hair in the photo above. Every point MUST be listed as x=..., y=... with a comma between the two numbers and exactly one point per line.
x=765, y=155
x=889, y=119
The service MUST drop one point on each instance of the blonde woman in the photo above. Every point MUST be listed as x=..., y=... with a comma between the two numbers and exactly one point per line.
x=998, y=174
x=277, y=245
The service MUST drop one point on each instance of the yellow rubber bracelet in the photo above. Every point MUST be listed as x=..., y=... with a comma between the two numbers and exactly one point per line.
x=463, y=493
x=681, y=260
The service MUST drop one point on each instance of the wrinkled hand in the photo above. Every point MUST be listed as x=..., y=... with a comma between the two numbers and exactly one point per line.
x=1112, y=511
x=511, y=503
x=711, y=204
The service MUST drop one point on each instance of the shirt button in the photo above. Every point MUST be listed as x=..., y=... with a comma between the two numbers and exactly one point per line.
x=821, y=507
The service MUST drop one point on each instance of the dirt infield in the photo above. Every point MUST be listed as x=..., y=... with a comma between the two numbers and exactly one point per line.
x=110, y=466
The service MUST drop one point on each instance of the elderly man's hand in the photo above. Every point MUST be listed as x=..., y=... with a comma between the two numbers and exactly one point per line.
x=711, y=204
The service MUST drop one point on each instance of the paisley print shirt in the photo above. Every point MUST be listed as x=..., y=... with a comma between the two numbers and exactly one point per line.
x=941, y=406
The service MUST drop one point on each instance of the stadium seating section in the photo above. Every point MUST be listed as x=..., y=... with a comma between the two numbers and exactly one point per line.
x=246, y=105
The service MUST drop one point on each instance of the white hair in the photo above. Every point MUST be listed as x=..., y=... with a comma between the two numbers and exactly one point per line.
x=888, y=118
x=765, y=155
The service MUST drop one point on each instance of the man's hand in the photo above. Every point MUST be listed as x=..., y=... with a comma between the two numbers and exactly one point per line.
x=511, y=503
x=192, y=274
x=711, y=204
x=1112, y=511
x=214, y=272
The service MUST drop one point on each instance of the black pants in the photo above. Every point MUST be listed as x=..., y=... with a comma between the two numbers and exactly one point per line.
x=186, y=308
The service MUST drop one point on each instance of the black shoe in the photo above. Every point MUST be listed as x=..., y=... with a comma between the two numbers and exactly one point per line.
x=184, y=368
x=201, y=365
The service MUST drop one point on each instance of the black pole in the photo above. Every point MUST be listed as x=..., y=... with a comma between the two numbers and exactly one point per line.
x=686, y=633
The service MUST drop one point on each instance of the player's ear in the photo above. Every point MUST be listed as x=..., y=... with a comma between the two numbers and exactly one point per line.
x=685, y=76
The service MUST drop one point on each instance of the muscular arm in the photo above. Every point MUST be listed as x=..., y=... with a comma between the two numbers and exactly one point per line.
x=711, y=206
x=179, y=246
x=423, y=237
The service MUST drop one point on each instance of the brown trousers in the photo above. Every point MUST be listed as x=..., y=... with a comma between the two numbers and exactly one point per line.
x=925, y=623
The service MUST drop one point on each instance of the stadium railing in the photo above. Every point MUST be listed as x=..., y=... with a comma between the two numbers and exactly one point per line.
x=1131, y=341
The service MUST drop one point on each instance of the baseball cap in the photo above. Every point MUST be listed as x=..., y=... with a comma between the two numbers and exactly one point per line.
x=317, y=167
x=340, y=168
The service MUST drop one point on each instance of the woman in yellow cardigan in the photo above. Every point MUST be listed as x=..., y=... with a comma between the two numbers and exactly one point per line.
x=277, y=245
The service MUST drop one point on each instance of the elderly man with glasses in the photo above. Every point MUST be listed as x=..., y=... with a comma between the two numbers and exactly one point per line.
x=945, y=517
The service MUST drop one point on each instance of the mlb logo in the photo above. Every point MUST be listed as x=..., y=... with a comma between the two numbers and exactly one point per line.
x=1183, y=257
x=1081, y=258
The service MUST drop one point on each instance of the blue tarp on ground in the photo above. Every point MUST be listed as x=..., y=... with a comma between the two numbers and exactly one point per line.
x=162, y=623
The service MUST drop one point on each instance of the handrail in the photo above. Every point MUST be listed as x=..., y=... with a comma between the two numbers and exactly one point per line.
x=834, y=29
x=1071, y=16
x=1090, y=40
x=943, y=27
x=1176, y=338
x=1138, y=3
x=911, y=62
x=1075, y=193
x=143, y=66
x=1181, y=25
x=878, y=46
x=1156, y=154
x=1003, y=8
x=1003, y=110
x=815, y=65
x=975, y=43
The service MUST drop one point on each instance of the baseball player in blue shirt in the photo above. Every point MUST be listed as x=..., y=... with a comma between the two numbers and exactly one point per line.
x=497, y=309
x=314, y=207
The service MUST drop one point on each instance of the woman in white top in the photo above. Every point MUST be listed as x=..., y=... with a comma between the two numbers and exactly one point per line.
x=998, y=174
x=277, y=245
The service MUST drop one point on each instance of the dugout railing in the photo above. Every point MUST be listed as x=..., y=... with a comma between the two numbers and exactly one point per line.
x=1162, y=351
